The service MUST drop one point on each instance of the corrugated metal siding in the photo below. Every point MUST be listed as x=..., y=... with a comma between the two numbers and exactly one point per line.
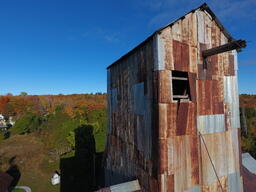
x=154, y=137
x=232, y=99
x=211, y=123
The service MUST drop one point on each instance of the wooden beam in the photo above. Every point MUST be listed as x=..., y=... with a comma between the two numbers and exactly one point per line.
x=236, y=44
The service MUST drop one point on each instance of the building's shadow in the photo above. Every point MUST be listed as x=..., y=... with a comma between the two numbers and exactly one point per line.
x=13, y=171
x=78, y=172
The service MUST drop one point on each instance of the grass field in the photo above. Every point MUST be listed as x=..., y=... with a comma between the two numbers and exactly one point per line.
x=33, y=163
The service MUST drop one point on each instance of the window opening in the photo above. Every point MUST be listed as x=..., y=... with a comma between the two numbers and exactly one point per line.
x=180, y=86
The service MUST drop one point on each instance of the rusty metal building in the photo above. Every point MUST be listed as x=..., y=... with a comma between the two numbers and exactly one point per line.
x=174, y=110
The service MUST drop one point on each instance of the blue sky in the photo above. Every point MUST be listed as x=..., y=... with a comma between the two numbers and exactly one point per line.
x=64, y=46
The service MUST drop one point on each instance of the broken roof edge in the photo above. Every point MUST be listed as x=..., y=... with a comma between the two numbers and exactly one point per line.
x=203, y=7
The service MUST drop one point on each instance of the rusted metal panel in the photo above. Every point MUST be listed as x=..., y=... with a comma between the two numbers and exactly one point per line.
x=166, y=39
x=163, y=120
x=182, y=118
x=180, y=56
x=170, y=183
x=172, y=116
x=192, y=86
x=164, y=81
x=185, y=162
x=163, y=160
x=209, y=97
x=208, y=29
x=211, y=123
x=177, y=31
x=215, y=32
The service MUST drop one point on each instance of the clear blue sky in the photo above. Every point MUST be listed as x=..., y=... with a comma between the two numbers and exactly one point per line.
x=64, y=46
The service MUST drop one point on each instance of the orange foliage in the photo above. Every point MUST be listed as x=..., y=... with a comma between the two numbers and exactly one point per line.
x=76, y=104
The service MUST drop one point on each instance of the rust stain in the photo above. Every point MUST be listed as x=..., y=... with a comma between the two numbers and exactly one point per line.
x=181, y=56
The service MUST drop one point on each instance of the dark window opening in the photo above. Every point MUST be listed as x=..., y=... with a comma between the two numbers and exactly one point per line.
x=180, y=86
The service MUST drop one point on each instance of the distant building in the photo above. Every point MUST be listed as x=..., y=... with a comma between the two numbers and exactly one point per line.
x=174, y=109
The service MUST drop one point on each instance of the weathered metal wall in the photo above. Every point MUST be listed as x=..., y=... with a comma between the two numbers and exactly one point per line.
x=172, y=145
x=130, y=108
x=213, y=110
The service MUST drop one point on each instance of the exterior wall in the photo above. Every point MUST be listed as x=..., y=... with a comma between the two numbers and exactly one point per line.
x=213, y=110
x=165, y=143
x=129, y=151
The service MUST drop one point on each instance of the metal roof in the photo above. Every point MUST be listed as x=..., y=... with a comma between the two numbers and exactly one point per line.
x=203, y=7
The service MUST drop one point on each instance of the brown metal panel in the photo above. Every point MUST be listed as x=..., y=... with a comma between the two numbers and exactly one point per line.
x=172, y=117
x=177, y=49
x=185, y=30
x=202, y=73
x=163, y=161
x=193, y=63
x=192, y=86
x=164, y=86
x=209, y=97
x=185, y=57
x=163, y=120
x=166, y=37
x=182, y=118
x=231, y=71
x=181, y=56
x=191, y=121
x=170, y=183
x=194, y=159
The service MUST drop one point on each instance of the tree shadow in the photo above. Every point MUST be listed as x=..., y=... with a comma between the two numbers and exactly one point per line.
x=78, y=172
x=13, y=171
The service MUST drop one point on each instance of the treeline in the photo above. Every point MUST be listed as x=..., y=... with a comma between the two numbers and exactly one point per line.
x=55, y=118
x=73, y=105
x=248, y=123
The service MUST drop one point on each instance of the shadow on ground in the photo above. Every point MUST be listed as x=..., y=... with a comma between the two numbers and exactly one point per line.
x=81, y=172
x=13, y=171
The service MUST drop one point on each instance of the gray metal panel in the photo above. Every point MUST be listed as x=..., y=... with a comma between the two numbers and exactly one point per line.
x=249, y=162
x=194, y=189
x=142, y=106
x=159, y=53
x=138, y=98
x=126, y=187
x=201, y=27
x=231, y=97
x=234, y=182
x=109, y=101
x=211, y=123
x=113, y=99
